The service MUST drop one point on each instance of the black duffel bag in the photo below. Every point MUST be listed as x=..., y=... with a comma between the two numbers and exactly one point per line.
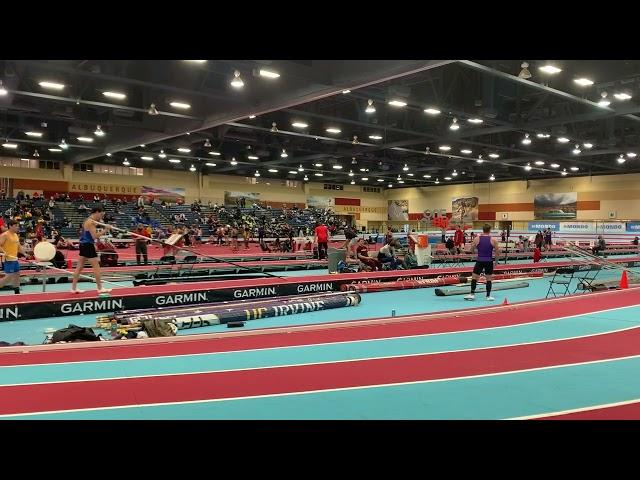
x=74, y=333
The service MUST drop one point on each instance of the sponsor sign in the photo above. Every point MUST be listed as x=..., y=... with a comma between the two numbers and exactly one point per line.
x=537, y=226
x=633, y=227
x=577, y=227
x=612, y=227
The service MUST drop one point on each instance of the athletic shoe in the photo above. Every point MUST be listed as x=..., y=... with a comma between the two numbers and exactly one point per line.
x=471, y=296
x=104, y=290
x=77, y=291
x=490, y=299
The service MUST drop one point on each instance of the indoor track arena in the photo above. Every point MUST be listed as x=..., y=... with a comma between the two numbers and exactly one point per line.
x=379, y=240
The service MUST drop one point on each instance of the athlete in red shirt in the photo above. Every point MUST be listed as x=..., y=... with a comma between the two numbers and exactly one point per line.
x=322, y=238
x=458, y=239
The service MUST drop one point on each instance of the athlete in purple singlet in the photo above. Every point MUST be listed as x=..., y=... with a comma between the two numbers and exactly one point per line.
x=485, y=245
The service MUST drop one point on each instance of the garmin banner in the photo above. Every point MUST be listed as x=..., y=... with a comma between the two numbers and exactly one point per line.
x=537, y=226
x=633, y=227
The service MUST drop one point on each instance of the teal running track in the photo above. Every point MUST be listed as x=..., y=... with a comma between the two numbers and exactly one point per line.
x=518, y=361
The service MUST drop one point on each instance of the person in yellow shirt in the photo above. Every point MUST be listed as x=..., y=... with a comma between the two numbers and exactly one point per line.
x=9, y=248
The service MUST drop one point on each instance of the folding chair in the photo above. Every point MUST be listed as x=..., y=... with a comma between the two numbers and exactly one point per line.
x=586, y=278
x=562, y=278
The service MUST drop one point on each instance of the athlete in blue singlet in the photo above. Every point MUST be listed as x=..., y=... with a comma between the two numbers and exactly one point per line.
x=88, y=235
x=485, y=245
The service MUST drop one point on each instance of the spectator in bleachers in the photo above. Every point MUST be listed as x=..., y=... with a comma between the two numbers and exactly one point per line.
x=140, y=201
x=450, y=245
x=635, y=241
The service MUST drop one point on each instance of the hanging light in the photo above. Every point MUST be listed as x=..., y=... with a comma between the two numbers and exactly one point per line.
x=98, y=132
x=631, y=154
x=108, y=154
x=539, y=163
x=354, y=161
x=355, y=140
x=492, y=177
x=352, y=182
x=274, y=127
x=587, y=145
x=351, y=173
x=621, y=159
x=162, y=154
x=454, y=125
x=301, y=169
x=192, y=168
x=426, y=175
x=237, y=81
x=306, y=179
x=554, y=165
x=479, y=160
x=63, y=145
x=284, y=153
x=563, y=140
x=494, y=155
x=444, y=148
x=526, y=140
x=543, y=135
x=603, y=100
x=405, y=168
x=524, y=73
x=233, y=161
x=152, y=109
x=454, y=173
x=126, y=162
x=577, y=151
x=563, y=172
x=390, y=185
x=466, y=151
x=437, y=180
x=257, y=174
x=207, y=143
x=574, y=169
x=35, y=153
x=527, y=167
x=370, y=108
x=3, y=91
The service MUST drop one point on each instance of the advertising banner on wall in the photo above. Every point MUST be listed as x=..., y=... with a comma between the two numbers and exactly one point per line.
x=162, y=193
x=611, y=227
x=104, y=188
x=537, y=226
x=321, y=202
x=577, y=227
x=398, y=210
x=243, y=199
x=464, y=209
x=555, y=206
x=633, y=227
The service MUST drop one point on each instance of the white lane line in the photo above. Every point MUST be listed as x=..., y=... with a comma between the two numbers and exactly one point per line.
x=351, y=360
x=308, y=392
x=307, y=345
x=576, y=410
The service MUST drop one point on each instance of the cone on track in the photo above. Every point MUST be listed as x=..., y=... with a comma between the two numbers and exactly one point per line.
x=624, y=281
x=505, y=302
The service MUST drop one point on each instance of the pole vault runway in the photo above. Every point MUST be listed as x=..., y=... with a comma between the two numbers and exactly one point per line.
x=537, y=359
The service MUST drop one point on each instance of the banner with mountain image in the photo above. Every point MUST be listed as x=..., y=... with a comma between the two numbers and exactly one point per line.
x=555, y=206
x=398, y=210
x=464, y=209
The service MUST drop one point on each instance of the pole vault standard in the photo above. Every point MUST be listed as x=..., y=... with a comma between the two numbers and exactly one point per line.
x=216, y=259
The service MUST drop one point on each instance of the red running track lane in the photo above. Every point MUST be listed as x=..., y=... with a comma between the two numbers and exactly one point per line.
x=447, y=322
x=306, y=378
x=629, y=411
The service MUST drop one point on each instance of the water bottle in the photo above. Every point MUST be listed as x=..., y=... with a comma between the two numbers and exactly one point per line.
x=114, y=326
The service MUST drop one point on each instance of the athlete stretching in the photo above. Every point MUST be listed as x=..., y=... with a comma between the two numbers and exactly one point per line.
x=88, y=236
x=10, y=247
x=485, y=246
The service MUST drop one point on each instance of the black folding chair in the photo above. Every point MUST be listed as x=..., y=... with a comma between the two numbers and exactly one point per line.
x=562, y=279
x=586, y=278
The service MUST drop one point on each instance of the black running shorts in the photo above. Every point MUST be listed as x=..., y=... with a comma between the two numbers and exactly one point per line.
x=88, y=250
x=481, y=266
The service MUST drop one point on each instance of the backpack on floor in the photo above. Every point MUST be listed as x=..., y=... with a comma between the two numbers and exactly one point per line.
x=74, y=333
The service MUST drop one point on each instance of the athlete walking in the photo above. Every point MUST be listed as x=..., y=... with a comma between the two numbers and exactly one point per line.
x=10, y=247
x=88, y=253
x=485, y=245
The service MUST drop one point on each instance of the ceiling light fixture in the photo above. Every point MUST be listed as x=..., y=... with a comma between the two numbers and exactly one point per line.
x=524, y=73
x=251, y=117
x=346, y=91
x=370, y=108
x=273, y=170
x=116, y=95
x=390, y=185
x=257, y=174
x=301, y=168
x=351, y=173
x=426, y=175
x=237, y=80
x=337, y=167
x=207, y=143
x=454, y=125
x=475, y=120
x=431, y=111
x=98, y=132
x=492, y=177
x=108, y=154
x=355, y=140
x=274, y=127
x=405, y=168
x=10, y=145
x=550, y=69
x=162, y=154
x=152, y=109
x=184, y=150
x=318, y=174
x=174, y=160
x=334, y=130
x=253, y=157
x=479, y=160
x=55, y=150
x=587, y=145
x=268, y=74
x=539, y=163
x=447, y=178
x=85, y=139
x=437, y=181
x=126, y=162
x=196, y=61
x=526, y=140
x=299, y=125
x=574, y=169
x=563, y=172
x=621, y=159
x=577, y=151
x=181, y=105
x=147, y=158
x=603, y=100
x=210, y=164
x=233, y=161
x=375, y=137
x=454, y=173
x=444, y=148
x=466, y=151
x=3, y=91
x=563, y=140
x=397, y=103
x=284, y=153
x=317, y=165
x=380, y=180
x=52, y=85
x=622, y=96
x=352, y=182
x=527, y=167
x=365, y=179
x=292, y=172
x=494, y=155
x=583, y=82
x=631, y=155
x=213, y=152
x=33, y=134
x=554, y=165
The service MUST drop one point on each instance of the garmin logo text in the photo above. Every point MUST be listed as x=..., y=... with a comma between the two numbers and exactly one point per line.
x=94, y=306
x=254, y=292
x=8, y=313
x=366, y=280
x=182, y=298
x=315, y=287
